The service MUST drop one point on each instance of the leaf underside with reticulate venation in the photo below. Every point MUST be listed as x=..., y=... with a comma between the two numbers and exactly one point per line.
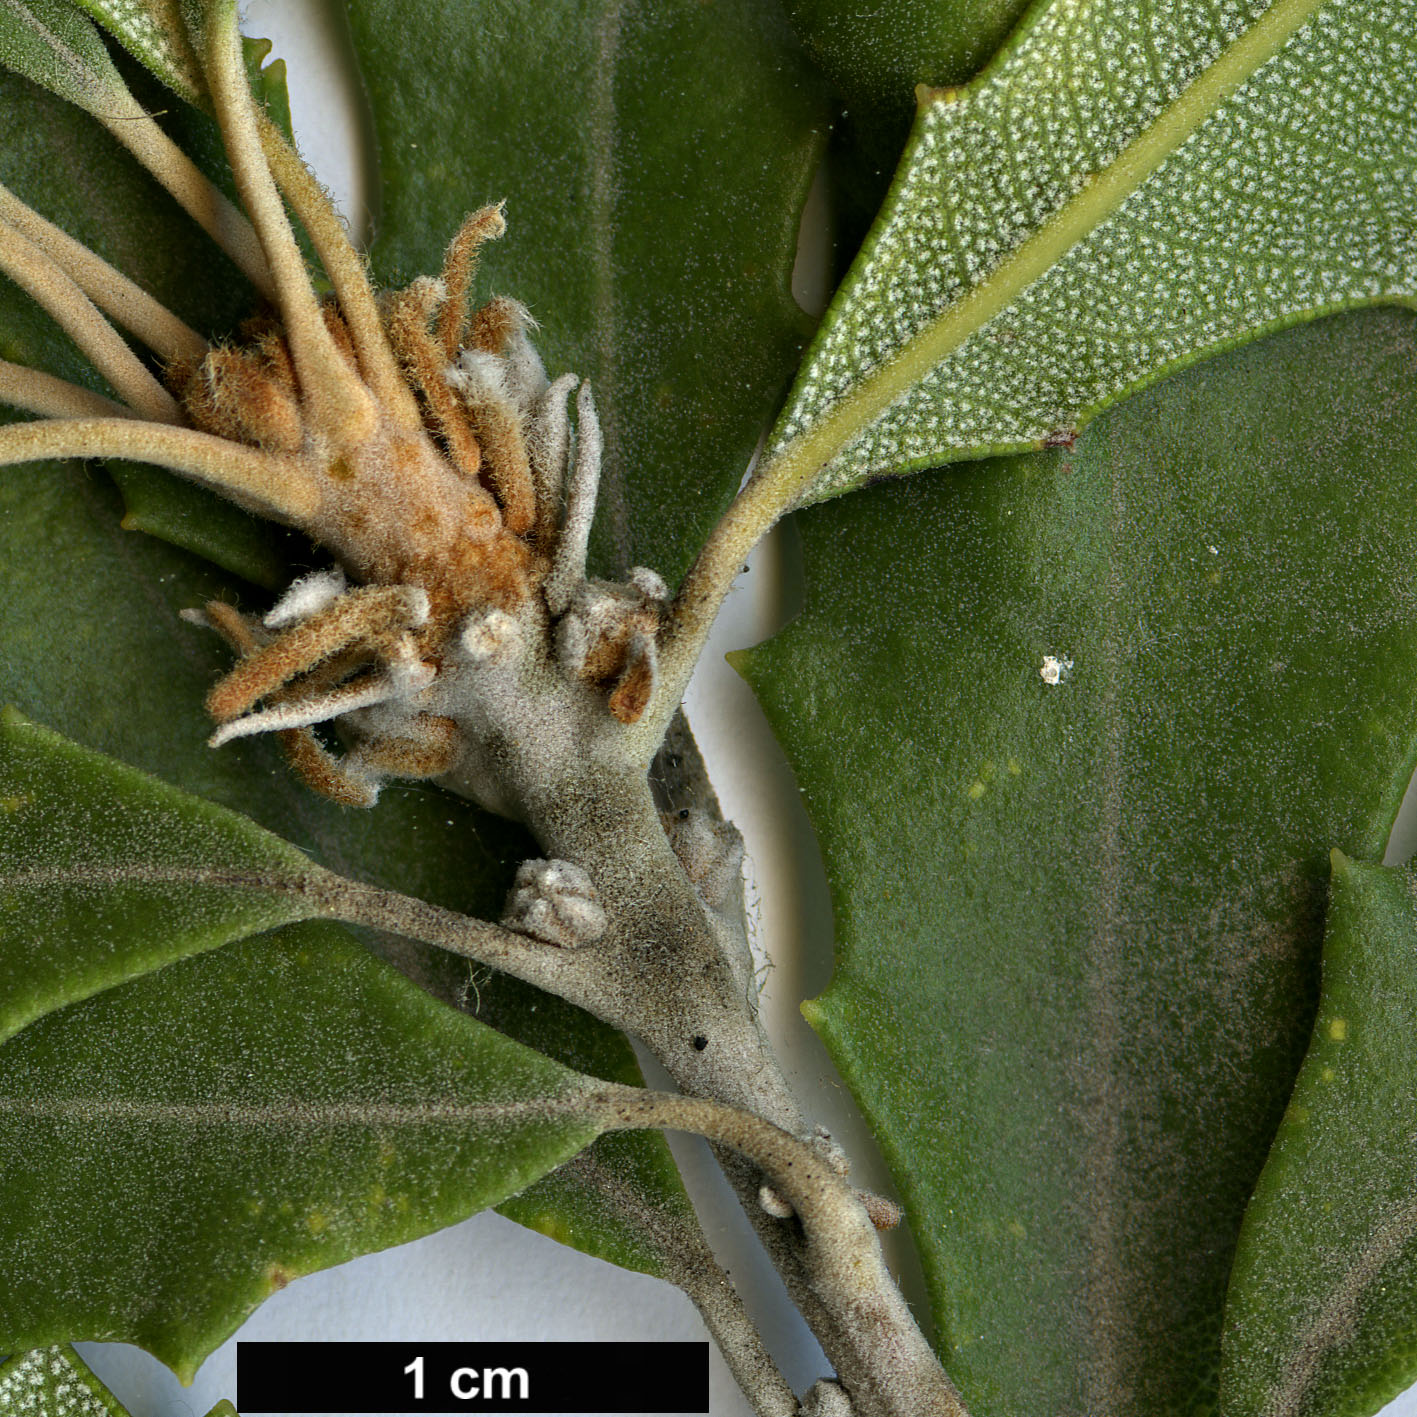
x=1124, y=189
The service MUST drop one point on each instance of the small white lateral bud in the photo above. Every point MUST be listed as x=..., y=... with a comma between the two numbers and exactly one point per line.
x=650, y=584
x=305, y=597
x=556, y=902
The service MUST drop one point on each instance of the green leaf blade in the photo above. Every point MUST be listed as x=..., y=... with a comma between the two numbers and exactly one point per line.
x=53, y=44
x=1074, y=975
x=54, y=1382
x=153, y=32
x=1072, y=225
x=106, y=873
x=1321, y=1319
x=177, y=1149
x=654, y=161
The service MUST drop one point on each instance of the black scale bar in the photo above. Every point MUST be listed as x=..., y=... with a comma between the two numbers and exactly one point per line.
x=394, y=1378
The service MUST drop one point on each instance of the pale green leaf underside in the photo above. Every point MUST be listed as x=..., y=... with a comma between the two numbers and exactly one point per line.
x=56, y=1382
x=1126, y=188
x=153, y=32
x=1322, y=1314
x=53, y=45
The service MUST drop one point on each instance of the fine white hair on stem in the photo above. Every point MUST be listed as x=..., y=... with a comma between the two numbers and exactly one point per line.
x=329, y=387
x=568, y=569
x=346, y=270
x=548, y=445
x=280, y=488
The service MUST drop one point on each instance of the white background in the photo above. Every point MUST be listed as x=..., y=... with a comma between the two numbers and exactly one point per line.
x=488, y=1279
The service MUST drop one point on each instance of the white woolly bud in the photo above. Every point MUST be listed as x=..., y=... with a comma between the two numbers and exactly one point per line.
x=489, y=635
x=195, y=617
x=548, y=438
x=478, y=375
x=650, y=584
x=525, y=373
x=555, y=902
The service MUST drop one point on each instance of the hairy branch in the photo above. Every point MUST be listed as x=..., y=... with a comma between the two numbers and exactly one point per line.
x=328, y=385
x=279, y=488
x=41, y=393
x=346, y=270
x=117, y=296
x=848, y=1273
x=85, y=324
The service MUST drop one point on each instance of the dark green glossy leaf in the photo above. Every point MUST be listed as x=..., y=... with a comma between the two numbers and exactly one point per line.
x=654, y=160
x=1121, y=192
x=1078, y=923
x=178, y=1148
x=1322, y=1314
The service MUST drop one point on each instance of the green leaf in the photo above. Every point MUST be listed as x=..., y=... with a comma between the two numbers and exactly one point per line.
x=1117, y=195
x=1322, y=1314
x=874, y=56
x=1078, y=924
x=152, y=32
x=177, y=1149
x=654, y=160
x=53, y=45
x=56, y=1382
x=106, y=873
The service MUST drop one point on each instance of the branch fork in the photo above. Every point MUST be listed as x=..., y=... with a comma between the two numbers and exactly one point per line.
x=458, y=637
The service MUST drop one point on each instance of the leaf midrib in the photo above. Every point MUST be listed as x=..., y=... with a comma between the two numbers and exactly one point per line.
x=792, y=472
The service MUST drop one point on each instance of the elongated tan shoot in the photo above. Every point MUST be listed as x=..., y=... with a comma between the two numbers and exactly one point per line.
x=279, y=488
x=340, y=404
x=85, y=324
x=123, y=300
